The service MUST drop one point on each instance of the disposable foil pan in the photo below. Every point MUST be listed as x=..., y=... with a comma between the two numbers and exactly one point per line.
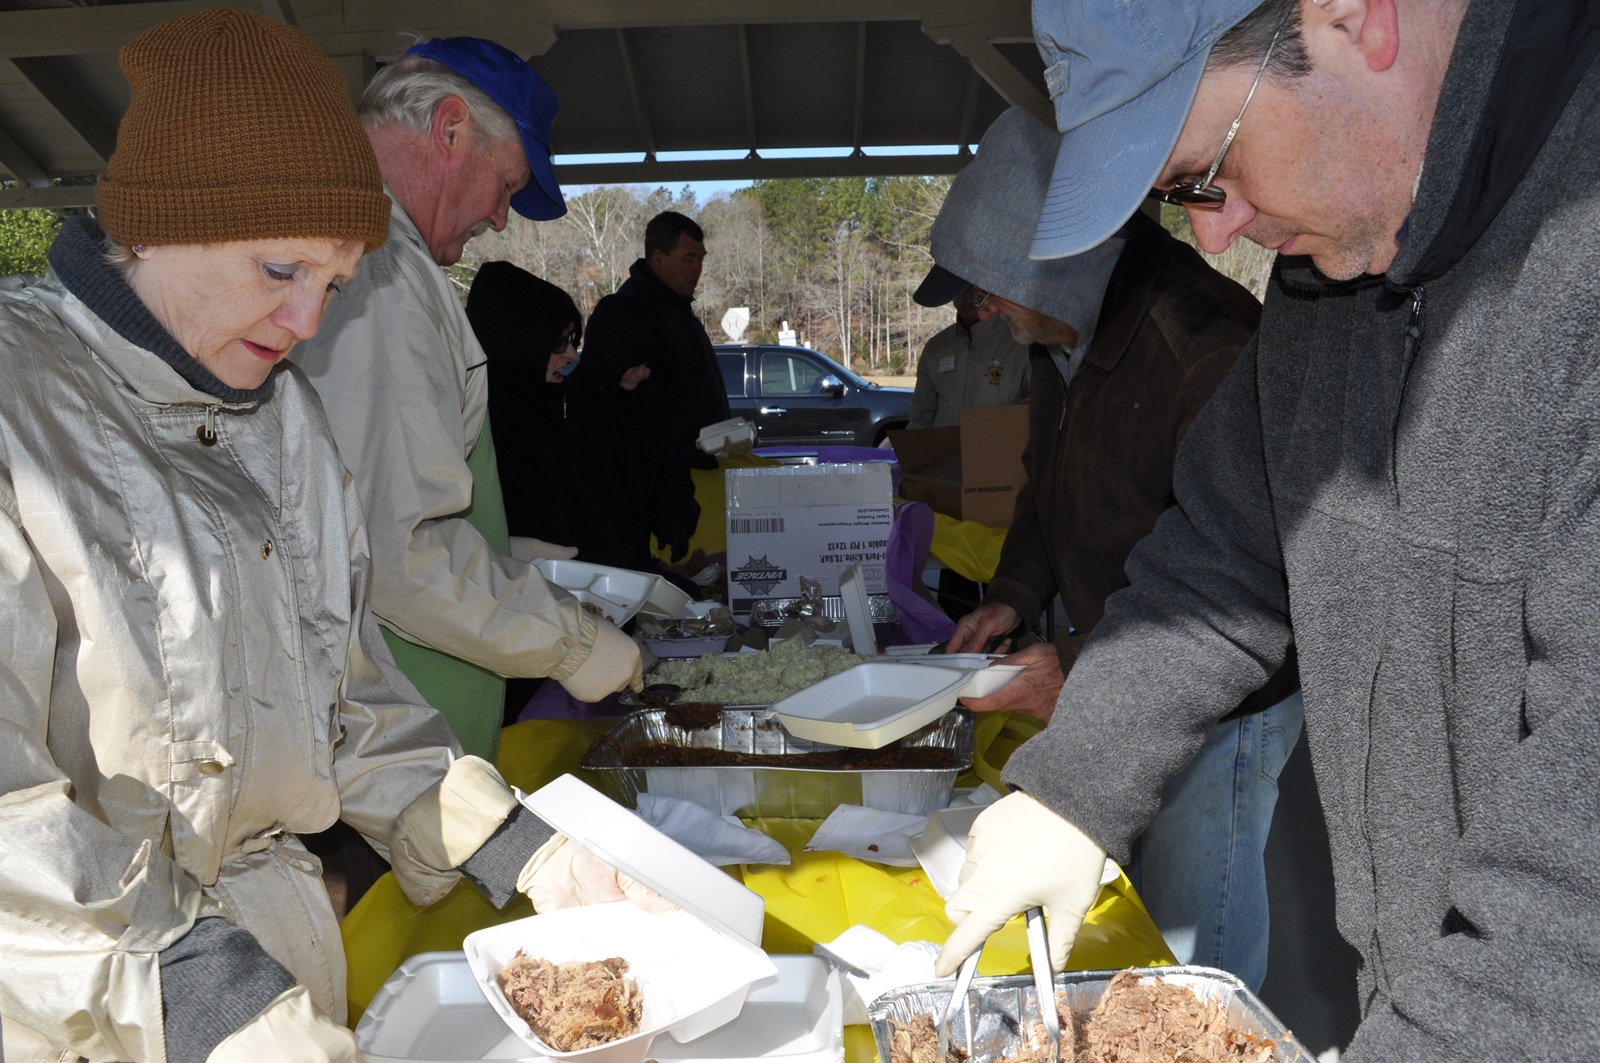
x=998, y=1010
x=771, y=612
x=806, y=793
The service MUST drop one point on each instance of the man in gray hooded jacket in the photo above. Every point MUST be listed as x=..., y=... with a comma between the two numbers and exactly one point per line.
x=1401, y=471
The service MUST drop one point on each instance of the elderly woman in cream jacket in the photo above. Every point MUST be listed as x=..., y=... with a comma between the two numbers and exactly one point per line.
x=189, y=676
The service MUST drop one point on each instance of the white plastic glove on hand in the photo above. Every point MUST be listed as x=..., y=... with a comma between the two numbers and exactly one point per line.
x=612, y=664
x=289, y=1028
x=1021, y=855
x=563, y=874
x=527, y=548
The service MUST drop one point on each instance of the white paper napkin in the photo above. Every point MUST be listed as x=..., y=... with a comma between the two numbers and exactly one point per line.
x=981, y=794
x=869, y=834
x=871, y=965
x=721, y=840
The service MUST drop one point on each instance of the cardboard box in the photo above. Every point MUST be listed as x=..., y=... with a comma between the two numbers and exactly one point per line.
x=816, y=521
x=972, y=472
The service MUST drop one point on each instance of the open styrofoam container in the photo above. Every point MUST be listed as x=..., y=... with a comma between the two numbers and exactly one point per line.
x=857, y=609
x=692, y=978
x=872, y=704
x=616, y=592
x=693, y=966
x=665, y=599
x=431, y=1011
x=987, y=675
x=727, y=437
x=941, y=848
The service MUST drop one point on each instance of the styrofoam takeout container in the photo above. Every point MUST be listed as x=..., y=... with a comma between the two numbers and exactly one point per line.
x=693, y=966
x=732, y=436
x=665, y=599
x=431, y=1011
x=616, y=592
x=692, y=977
x=857, y=610
x=872, y=704
x=987, y=675
x=941, y=848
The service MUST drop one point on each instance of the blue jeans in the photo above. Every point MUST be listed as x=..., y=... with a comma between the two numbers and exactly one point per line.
x=1199, y=866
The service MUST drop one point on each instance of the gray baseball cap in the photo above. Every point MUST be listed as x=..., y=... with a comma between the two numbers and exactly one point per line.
x=1122, y=75
x=985, y=228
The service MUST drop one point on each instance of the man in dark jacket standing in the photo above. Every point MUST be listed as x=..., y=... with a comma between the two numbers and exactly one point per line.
x=1117, y=378
x=646, y=338
x=1401, y=473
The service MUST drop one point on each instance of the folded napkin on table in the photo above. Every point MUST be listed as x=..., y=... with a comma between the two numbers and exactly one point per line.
x=868, y=834
x=719, y=839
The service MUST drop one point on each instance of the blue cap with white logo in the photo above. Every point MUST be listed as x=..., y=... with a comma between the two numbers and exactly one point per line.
x=1122, y=76
x=509, y=81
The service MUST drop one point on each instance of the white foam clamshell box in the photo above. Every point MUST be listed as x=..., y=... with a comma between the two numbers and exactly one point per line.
x=872, y=704
x=616, y=592
x=694, y=967
x=432, y=1011
x=692, y=977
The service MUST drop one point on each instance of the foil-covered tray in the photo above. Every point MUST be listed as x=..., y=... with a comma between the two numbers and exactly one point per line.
x=770, y=790
x=999, y=1010
x=772, y=612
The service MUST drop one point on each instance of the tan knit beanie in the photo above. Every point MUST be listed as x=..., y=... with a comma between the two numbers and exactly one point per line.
x=238, y=129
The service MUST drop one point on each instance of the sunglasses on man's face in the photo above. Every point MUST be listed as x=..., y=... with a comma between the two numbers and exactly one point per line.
x=568, y=339
x=1197, y=191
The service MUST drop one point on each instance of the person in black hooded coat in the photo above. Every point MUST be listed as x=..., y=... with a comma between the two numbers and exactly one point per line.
x=553, y=480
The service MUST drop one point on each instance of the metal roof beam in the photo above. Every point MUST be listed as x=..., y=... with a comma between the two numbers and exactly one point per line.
x=969, y=112
x=49, y=83
x=995, y=68
x=20, y=163
x=647, y=133
x=281, y=10
x=85, y=30
x=749, y=93
x=757, y=169
x=54, y=196
x=861, y=83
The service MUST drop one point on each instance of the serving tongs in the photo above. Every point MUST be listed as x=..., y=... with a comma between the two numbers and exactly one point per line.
x=1044, y=988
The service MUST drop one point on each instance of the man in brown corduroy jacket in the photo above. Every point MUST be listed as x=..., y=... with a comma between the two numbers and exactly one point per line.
x=1128, y=341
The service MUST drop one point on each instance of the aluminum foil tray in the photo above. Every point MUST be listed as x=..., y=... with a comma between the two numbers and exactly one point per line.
x=804, y=793
x=769, y=612
x=989, y=1026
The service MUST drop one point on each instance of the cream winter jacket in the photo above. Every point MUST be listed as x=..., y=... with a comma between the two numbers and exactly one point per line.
x=189, y=676
x=405, y=384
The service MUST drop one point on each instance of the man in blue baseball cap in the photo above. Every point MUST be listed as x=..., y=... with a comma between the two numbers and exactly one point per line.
x=1402, y=474
x=461, y=128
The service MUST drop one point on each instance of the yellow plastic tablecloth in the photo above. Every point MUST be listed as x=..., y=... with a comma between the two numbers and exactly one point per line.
x=815, y=899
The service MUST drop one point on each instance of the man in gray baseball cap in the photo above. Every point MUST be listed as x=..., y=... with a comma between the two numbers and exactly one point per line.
x=1401, y=475
x=1129, y=339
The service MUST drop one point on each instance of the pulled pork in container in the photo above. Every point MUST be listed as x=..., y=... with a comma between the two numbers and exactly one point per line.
x=574, y=1005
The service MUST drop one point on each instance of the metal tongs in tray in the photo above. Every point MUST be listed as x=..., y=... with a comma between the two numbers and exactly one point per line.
x=1044, y=989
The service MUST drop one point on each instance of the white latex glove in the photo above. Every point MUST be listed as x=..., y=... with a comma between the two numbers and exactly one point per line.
x=527, y=548
x=563, y=874
x=289, y=1028
x=1020, y=855
x=614, y=663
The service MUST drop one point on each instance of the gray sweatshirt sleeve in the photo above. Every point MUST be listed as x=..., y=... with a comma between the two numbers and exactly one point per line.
x=1202, y=625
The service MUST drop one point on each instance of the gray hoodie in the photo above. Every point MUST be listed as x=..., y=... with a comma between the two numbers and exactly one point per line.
x=1402, y=472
